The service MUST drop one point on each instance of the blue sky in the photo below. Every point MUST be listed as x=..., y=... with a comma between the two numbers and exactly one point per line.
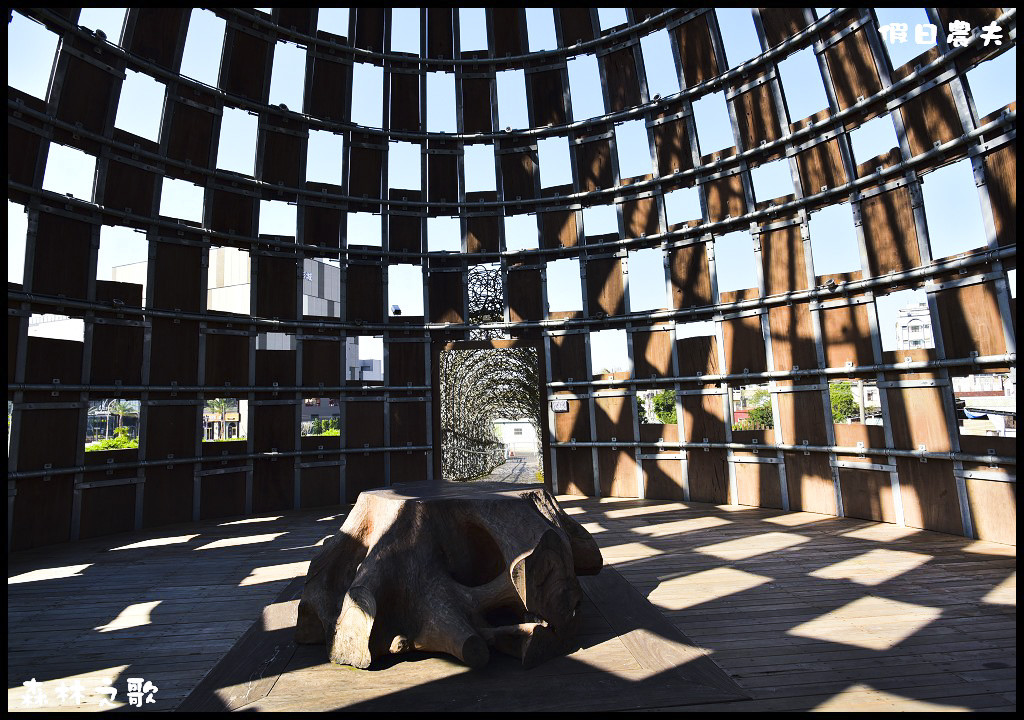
x=954, y=225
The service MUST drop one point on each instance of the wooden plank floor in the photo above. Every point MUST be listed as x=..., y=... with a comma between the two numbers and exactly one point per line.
x=803, y=611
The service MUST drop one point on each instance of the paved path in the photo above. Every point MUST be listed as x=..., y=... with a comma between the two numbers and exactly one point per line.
x=522, y=468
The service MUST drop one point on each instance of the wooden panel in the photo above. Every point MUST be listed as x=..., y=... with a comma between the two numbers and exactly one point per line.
x=852, y=69
x=321, y=362
x=364, y=171
x=476, y=104
x=42, y=512
x=757, y=484
x=116, y=355
x=168, y=496
x=178, y=284
x=867, y=494
x=672, y=145
x=576, y=25
x=129, y=188
x=175, y=347
x=698, y=355
x=442, y=177
x=232, y=212
x=558, y=229
x=48, y=437
x=364, y=423
x=547, y=101
x=569, y=355
x=227, y=360
x=594, y=165
x=405, y=231
x=640, y=217
x=276, y=290
x=847, y=336
x=928, y=492
x=171, y=431
x=614, y=417
x=61, y=263
x=406, y=363
x=931, y=117
x=691, y=278
x=408, y=423
x=86, y=93
x=281, y=155
x=49, y=360
x=970, y=321
x=652, y=354
x=781, y=23
x=246, y=64
x=782, y=257
x=792, y=337
x=405, y=102
x=518, y=169
x=23, y=148
x=809, y=483
x=154, y=35
x=621, y=79
x=708, y=476
x=801, y=418
x=445, y=297
x=525, y=299
x=508, y=25
x=575, y=471
x=617, y=470
x=663, y=479
x=605, y=291
x=107, y=510
x=918, y=418
x=725, y=198
x=439, y=33
x=696, y=51
x=821, y=166
x=756, y=117
x=574, y=424
x=222, y=495
x=482, y=233
x=363, y=472
x=744, y=345
x=364, y=293
x=889, y=232
x=275, y=366
x=703, y=417
x=330, y=81
x=369, y=28
x=409, y=467
x=994, y=510
x=1001, y=180
x=273, y=485
x=320, y=486
x=300, y=19
x=849, y=434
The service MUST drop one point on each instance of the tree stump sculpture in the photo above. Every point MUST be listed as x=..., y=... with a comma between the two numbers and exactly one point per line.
x=452, y=569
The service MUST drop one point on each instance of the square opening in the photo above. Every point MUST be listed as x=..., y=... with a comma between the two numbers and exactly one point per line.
x=855, y=401
x=444, y=234
x=405, y=290
x=646, y=280
x=512, y=99
x=56, y=327
x=986, y=404
x=659, y=64
x=802, y=85
x=683, y=205
x=634, y=149
x=225, y=419
x=609, y=352
x=368, y=86
x=772, y=180
x=405, y=30
x=657, y=407
x=203, y=45
x=140, y=107
x=323, y=157
x=441, y=103
x=540, y=29
x=321, y=288
x=751, y=407
x=17, y=233
x=904, y=33
x=585, y=87
x=236, y=148
x=738, y=34
x=834, y=243
x=988, y=85
x=123, y=256
x=600, y=220
x=479, y=168
x=554, y=162
x=112, y=424
x=404, y=160
x=228, y=280
x=277, y=218
x=288, y=75
x=565, y=291
x=472, y=29
x=952, y=208
x=320, y=417
x=735, y=262
x=333, y=20
x=364, y=229
x=521, y=232
x=181, y=199
x=69, y=171
x=904, y=321
x=611, y=17
x=875, y=137
x=714, y=128
x=31, y=50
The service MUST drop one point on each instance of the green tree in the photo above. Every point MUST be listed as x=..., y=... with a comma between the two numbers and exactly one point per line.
x=665, y=407
x=641, y=412
x=120, y=408
x=318, y=427
x=844, y=407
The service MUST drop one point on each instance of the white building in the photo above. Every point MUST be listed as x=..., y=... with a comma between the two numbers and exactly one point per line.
x=518, y=435
x=914, y=328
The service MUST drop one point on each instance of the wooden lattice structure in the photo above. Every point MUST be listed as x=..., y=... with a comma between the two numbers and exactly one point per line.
x=794, y=330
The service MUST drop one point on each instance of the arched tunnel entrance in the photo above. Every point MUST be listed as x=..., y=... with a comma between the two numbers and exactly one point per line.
x=488, y=419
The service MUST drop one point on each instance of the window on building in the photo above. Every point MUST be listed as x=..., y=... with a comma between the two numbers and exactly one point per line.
x=225, y=419
x=228, y=280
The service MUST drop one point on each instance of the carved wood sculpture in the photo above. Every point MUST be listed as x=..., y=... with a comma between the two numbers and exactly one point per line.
x=450, y=569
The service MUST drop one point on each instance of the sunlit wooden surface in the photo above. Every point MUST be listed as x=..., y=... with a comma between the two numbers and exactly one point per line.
x=803, y=611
